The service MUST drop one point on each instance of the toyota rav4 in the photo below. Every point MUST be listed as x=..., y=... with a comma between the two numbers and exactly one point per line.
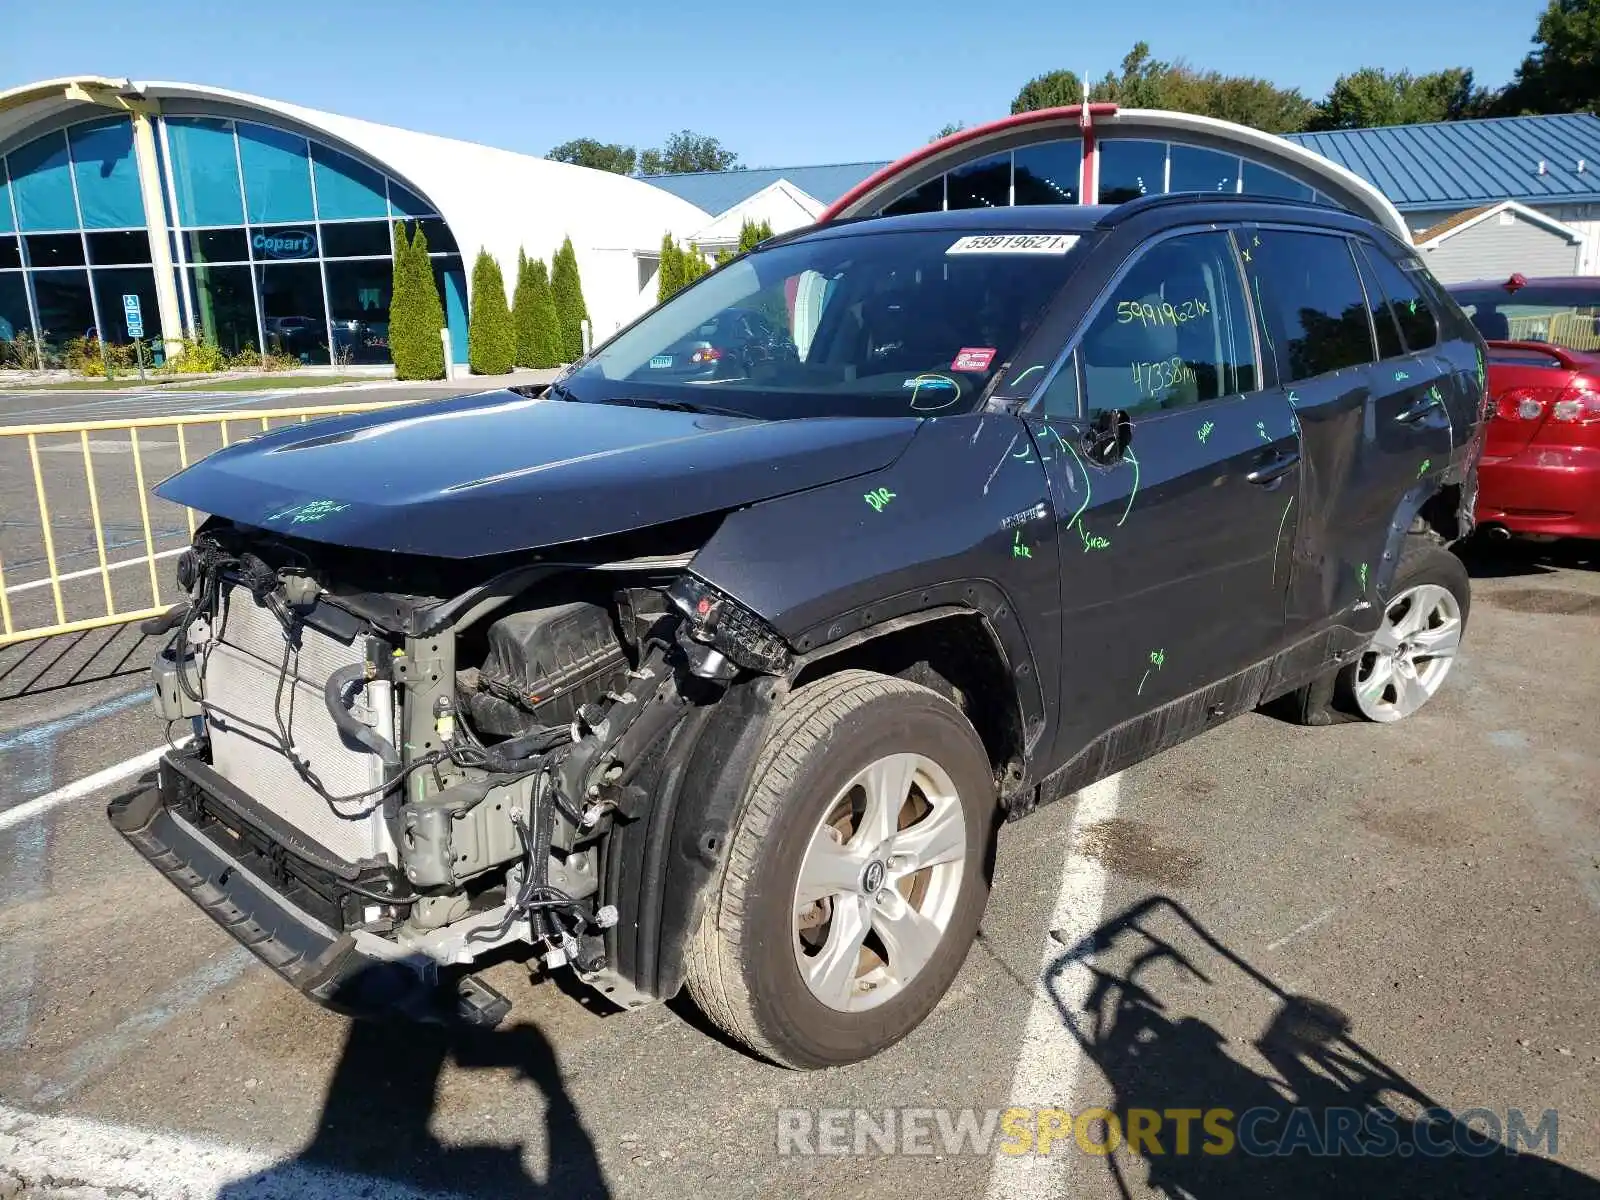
x=725, y=677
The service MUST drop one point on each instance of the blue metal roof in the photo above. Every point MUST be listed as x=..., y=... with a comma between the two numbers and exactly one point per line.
x=1451, y=164
x=718, y=191
x=1463, y=163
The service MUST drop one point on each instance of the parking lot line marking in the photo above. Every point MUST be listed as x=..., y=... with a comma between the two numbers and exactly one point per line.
x=141, y=1162
x=126, y=562
x=1048, y=1061
x=99, y=1054
x=86, y=786
x=38, y=735
x=1299, y=929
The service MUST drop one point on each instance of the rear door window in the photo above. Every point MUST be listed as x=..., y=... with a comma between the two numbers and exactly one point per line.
x=1417, y=321
x=1174, y=331
x=1384, y=324
x=1311, y=299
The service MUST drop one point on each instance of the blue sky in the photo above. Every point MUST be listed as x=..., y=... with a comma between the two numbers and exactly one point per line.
x=824, y=81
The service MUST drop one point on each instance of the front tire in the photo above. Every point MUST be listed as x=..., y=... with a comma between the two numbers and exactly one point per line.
x=857, y=873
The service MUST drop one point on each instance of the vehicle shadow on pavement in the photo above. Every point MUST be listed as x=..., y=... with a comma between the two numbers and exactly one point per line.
x=1333, y=1119
x=1486, y=558
x=375, y=1120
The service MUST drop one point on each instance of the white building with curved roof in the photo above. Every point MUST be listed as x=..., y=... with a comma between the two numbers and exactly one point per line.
x=244, y=221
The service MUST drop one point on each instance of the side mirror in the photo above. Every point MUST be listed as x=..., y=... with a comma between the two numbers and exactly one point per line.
x=1108, y=436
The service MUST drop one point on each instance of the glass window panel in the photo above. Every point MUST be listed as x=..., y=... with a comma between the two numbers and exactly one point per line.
x=1175, y=331
x=1417, y=321
x=1197, y=170
x=406, y=203
x=292, y=311
x=1060, y=398
x=111, y=285
x=216, y=245
x=358, y=305
x=116, y=249
x=283, y=243
x=10, y=252
x=346, y=188
x=54, y=250
x=1263, y=181
x=982, y=184
x=1307, y=281
x=205, y=171
x=14, y=319
x=65, y=310
x=1049, y=173
x=224, y=307
x=927, y=198
x=41, y=183
x=440, y=239
x=1130, y=169
x=1383, y=321
x=7, y=225
x=451, y=280
x=277, y=175
x=357, y=239
x=107, y=174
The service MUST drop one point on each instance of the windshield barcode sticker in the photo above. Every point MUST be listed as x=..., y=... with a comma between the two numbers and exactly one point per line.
x=1014, y=243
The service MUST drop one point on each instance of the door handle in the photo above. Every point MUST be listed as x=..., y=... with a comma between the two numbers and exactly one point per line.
x=1417, y=411
x=1274, y=468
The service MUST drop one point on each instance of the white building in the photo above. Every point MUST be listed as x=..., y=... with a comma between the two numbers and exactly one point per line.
x=247, y=221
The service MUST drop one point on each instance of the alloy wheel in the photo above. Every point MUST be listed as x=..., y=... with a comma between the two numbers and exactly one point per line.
x=879, y=882
x=1411, y=653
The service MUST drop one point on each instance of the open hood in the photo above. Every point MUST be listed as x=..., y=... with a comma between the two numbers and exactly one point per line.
x=496, y=472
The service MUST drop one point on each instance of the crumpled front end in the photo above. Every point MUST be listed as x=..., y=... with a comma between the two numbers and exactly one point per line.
x=400, y=764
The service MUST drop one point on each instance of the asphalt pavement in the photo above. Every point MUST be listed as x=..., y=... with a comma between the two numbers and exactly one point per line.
x=1394, y=920
x=1357, y=919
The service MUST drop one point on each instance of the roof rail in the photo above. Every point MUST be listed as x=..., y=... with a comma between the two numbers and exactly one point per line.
x=1164, y=199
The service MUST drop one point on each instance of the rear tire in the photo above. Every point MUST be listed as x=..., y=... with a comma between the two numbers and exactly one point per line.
x=1426, y=569
x=795, y=954
x=1415, y=648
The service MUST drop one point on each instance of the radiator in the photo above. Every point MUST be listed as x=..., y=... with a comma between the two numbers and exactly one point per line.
x=241, y=677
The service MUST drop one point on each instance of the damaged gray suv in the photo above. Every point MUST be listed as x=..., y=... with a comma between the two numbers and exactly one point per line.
x=723, y=674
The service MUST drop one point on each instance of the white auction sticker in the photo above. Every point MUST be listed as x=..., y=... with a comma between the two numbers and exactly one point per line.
x=1015, y=243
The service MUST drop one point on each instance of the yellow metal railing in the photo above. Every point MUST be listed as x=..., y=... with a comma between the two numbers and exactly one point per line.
x=59, y=494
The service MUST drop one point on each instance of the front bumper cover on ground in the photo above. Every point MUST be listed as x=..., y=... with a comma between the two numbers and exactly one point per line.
x=355, y=973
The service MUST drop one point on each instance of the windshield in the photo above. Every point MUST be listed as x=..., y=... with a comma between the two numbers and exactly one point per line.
x=868, y=324
x=1562, y=316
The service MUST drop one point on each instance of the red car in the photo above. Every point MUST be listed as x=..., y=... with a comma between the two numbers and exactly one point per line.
x=1540, y=472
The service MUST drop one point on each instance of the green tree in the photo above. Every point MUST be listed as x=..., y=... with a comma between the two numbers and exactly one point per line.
x=1147, y=82
x=1054, y=89
x=1372, y=96
x=571, y=312
x=415, y=313
x=694, y=264
x=950, y=127
x=546, y=325
x=491, y=341
x=523, y=319
x=670, y=278
x=688, y=151
x=752, y=235
x=1562, y=72
x=602, y=156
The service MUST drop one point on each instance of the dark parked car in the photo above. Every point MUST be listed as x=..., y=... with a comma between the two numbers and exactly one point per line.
x=729, y=681
x=1541, y=454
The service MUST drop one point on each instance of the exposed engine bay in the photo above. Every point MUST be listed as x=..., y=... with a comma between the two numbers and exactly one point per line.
x=429, y=777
